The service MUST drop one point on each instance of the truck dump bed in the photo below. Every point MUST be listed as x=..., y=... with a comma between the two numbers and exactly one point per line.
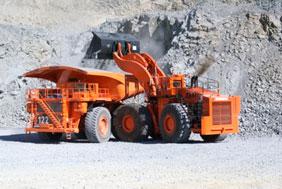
x=119, y=86
x=59, y=109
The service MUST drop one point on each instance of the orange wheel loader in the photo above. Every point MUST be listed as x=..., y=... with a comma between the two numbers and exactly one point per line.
x=90, y=102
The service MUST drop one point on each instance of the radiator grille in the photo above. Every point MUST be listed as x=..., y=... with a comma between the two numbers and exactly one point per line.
x=221, y=113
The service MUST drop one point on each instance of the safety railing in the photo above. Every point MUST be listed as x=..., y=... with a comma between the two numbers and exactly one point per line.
x=70, y=91
x=44, y=93
x=203, y=82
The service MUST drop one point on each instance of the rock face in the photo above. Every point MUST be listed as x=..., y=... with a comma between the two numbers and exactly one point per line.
x=25, y=48
x=235, y=42
x=74, y=15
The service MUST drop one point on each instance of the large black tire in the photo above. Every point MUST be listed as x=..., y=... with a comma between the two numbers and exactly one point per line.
x=175, y=124
x=213, y=138
x=131, y=122
x=98, y=125
x=50, y=137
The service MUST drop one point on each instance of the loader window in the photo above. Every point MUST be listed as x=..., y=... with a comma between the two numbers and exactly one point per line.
x=177, y=84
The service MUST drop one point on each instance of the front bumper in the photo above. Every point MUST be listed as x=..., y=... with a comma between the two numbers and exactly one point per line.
x=49, y=128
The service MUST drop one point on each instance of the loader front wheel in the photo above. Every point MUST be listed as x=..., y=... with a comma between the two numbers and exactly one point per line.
x=175, y=123
x=213, y=138
x=131, y=122
x=98, y=125
x=50, y=137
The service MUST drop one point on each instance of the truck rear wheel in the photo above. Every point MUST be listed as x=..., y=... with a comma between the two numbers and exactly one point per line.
x=50, y=137
x=175, y=123
x=213, y=138
x=131, y=122
x=98, y=125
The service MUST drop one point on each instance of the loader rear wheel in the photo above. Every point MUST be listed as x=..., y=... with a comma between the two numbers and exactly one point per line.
x=131, y=122
x=175, y=123
x=50, y=137
x=213, y=138
x=98, y=125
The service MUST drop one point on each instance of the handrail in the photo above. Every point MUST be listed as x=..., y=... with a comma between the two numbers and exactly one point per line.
x=70, y=90
x=204, y=82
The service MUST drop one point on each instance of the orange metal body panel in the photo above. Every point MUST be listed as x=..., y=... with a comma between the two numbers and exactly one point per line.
x=75, y=90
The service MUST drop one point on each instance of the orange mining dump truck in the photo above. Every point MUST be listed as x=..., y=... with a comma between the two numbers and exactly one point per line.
x=90, y=103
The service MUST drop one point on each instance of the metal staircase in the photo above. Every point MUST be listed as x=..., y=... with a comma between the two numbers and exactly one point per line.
x=49, y=112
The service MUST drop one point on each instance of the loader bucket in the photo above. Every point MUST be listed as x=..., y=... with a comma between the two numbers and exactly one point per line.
x=103, y=45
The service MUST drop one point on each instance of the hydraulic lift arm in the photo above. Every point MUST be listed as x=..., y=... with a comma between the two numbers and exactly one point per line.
x=142, y=66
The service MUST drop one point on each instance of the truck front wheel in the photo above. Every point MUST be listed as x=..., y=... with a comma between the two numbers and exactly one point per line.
x=98, y=125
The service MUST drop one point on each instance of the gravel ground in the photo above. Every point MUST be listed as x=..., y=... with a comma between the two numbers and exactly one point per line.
x=235, y=163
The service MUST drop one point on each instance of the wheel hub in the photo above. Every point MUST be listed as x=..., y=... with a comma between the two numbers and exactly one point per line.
x=128, y=124
x=103, y=126
x=169, y=124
